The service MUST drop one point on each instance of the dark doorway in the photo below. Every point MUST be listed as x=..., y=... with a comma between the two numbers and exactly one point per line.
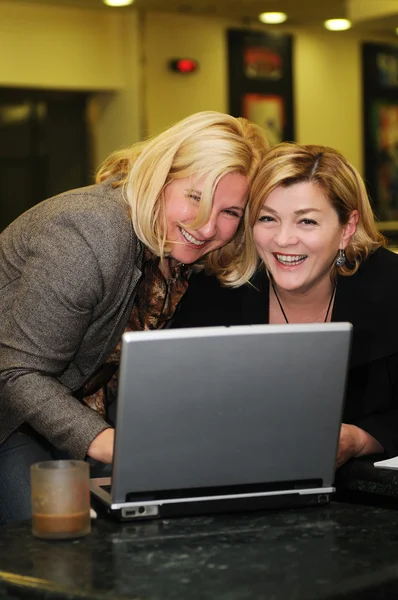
x=44, y=147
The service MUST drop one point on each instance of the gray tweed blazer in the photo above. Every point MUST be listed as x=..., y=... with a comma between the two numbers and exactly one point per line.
x=69, y=267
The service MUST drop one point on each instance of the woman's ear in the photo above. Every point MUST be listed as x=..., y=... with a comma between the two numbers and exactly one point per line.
x=349, y=229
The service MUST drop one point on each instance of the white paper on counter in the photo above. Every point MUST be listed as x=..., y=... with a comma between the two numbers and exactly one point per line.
x=390, y=463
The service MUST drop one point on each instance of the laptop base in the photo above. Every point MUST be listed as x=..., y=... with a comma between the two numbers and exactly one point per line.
x=209, y=507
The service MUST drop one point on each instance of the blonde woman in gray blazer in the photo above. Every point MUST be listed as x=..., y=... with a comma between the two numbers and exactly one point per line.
x=70, y=274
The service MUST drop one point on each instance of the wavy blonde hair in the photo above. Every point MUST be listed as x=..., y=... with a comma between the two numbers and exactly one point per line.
x=287, y=164
x=206, y=144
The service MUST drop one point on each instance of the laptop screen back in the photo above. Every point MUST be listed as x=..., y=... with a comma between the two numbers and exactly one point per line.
x=201, y=408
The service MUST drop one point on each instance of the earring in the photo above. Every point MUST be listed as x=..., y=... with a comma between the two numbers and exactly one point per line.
x=340, y=260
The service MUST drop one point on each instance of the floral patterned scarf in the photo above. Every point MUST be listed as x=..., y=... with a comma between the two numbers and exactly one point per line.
x=155, y=303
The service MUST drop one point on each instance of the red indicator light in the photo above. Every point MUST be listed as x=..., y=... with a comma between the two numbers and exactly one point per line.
x=183, y=65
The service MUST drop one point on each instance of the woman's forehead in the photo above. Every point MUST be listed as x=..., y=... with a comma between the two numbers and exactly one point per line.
x=302, y=192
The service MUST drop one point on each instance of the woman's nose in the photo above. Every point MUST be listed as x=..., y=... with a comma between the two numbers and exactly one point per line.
x=285, y=236
x=209, y=229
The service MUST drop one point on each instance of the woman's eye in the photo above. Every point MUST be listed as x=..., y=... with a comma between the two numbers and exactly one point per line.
x=308, y=222
x=232, y=213
x=194, y=197
x=266, y=219
x=192, y=194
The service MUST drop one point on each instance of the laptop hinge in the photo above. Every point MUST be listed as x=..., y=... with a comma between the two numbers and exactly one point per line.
x=162, y=501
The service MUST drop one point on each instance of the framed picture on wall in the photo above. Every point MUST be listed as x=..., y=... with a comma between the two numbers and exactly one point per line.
x=262, y=63
x=268, y=111
x=384, y=131
x=380, y=100
x=260, y=81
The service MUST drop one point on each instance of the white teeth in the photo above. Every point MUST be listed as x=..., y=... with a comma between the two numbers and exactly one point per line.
x=291, y=260
x=191, y=239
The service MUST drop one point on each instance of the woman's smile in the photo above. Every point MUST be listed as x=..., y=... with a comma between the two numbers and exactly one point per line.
x=289, y=260
x=190, y=239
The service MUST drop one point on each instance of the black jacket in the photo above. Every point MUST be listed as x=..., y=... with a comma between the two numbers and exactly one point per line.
x=368, y=300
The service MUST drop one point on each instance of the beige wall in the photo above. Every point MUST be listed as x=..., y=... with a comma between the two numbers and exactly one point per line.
x=123, y=56
x=327, y=78
x=328, y=95
x=171, y=96
x=118, y=117
x=59, y=47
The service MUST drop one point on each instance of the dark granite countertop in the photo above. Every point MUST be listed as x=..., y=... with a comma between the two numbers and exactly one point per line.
x=342, y=550
x=360, y=482
x=332, y=552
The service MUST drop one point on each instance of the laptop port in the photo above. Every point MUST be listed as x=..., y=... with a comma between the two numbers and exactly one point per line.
x=139, y=512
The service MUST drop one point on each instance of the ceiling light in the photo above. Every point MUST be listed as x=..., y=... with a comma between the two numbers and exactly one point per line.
x=118, y=2
x=337, y=24
x=272, y=18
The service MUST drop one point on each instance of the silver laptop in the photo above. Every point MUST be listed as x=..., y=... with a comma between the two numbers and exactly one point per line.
x=226, y=419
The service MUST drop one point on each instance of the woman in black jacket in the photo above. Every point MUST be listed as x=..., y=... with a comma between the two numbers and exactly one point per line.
x=322, y=260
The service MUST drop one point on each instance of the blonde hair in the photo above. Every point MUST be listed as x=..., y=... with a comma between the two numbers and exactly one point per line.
x=207, y=144
x=287, y=164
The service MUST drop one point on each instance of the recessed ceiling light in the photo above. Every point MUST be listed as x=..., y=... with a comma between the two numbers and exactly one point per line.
x=118, y=2
x=272, y=18
x=337, y=24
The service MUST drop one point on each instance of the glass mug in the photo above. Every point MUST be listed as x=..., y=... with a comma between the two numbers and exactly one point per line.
x=60, y=499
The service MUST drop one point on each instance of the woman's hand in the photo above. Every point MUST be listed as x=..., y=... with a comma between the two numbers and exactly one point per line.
x=101, y=448
x=354, y=442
